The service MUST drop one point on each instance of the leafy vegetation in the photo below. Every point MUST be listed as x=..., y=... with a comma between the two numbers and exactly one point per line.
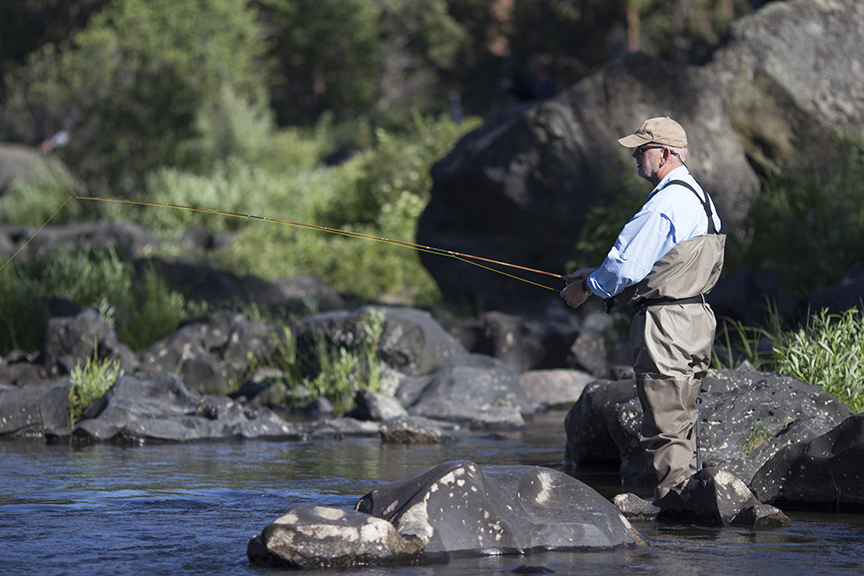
x=825, y=352
x=343, y=372
x=808, y=223
x=90, y=382
x=87, y=278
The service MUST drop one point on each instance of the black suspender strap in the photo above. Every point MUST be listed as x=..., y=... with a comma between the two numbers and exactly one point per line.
x=706, y=204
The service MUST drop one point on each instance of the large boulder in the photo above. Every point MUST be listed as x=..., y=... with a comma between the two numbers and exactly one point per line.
x=160, y=408
x=825, y=473
x=745, y=418
x=791, y=78
x=517, y=189
x=412, y=342
x=454, y=509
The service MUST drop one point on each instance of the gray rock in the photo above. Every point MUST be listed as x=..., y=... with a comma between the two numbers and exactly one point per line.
x=587, y=423
x=459, y=507
x=414, y=430
x=750, y=418
x=310, y=536
x=555, y=388
x=788, y=80
x=717, y=498
x=635, y=508
x=34, y=408
x=467, y=388
x=825, y=472
x=249, y=342
x=502, y=336
x=70, y=341
x=160, y=408
x=378, y=407
x=188, y=353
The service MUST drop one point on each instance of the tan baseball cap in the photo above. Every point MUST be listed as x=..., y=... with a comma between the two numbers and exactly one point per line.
x=663, y=131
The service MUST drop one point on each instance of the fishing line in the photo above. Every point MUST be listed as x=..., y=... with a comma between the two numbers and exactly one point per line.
x=467, y=258
x=37, y=232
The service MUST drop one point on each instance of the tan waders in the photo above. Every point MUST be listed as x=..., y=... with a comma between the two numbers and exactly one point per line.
x=672, y=352
x=672, y=335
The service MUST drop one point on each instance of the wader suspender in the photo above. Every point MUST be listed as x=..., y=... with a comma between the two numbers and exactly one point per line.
x=706, y=204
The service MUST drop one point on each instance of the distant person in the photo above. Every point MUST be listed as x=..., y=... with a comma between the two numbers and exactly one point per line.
x=667, y=257
x=59, y=139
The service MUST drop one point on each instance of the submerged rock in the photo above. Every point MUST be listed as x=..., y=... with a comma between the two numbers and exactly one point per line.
x=454, y=509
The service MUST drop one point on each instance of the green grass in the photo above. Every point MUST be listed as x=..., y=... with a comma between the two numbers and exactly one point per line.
x=90, y=382
x=150, y=311
x=828, y=351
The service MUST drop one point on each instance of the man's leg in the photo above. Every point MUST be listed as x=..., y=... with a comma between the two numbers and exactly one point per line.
x=672, y=351
x=667, y=433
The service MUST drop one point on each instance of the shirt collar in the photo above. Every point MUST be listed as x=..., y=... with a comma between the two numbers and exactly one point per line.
x=675, y=174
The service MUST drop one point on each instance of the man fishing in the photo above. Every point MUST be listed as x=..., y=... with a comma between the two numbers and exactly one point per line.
x=667, y=257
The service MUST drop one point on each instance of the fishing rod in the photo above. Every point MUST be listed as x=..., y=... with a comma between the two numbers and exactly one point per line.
x=462, y=257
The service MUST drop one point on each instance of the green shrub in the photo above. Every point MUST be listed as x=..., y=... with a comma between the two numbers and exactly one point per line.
x=148, y=83
x=87, y=278
x=38, y=200
x=381, y=192
x=342, y=372
x=808, y=223
x=827, y=352
x=90, y=382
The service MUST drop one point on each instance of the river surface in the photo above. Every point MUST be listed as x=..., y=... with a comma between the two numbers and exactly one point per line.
x=190, y=509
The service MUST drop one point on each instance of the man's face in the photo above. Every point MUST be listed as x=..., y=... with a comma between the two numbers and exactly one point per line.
x=648, y=157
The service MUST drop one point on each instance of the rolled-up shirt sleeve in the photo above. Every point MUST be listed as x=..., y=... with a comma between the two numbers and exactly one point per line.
x=644, y=240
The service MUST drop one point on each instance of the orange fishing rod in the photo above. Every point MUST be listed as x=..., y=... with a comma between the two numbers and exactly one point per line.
x=467, y=258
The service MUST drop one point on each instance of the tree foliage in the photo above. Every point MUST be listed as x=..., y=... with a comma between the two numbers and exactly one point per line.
x=142, y=82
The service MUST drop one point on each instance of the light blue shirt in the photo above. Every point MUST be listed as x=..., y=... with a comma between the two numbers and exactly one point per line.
x=665, y=219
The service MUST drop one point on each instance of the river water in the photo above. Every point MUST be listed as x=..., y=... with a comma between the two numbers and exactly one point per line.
x=190, y=509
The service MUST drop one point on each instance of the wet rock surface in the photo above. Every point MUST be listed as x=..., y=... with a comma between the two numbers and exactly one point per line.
x=745, y=418
x=454, y=509
x=717, y=498
x=824, y=473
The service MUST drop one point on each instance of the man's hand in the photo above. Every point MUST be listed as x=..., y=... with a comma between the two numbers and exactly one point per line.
x=578, y=275
x=573, y=294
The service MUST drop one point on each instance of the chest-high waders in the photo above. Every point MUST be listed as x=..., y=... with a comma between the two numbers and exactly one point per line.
x=672, y=336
